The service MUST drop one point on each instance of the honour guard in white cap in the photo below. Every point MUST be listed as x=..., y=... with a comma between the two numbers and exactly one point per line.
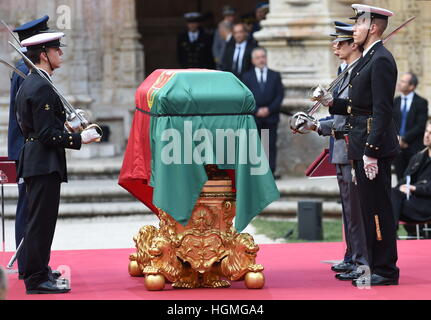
x=372, y=139
x=356, y=249
x=15, y=137
x=42, y=162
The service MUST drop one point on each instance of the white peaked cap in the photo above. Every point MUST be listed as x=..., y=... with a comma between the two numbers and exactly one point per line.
x=362, y=8
x=42, y=38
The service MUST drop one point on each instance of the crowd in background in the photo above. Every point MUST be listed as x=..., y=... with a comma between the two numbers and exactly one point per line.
x=204, y=45
x=231, y=47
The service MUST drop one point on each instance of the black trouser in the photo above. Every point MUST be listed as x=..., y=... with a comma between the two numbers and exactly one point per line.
x=273, y=128
x=375, y=198
x=20, y=221
x=43, y=202
x=356, y=250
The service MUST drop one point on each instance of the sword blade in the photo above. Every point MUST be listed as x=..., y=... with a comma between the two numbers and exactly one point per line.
x=7, y=64
x=389, y=36
x=11, y=32
x=337, y=80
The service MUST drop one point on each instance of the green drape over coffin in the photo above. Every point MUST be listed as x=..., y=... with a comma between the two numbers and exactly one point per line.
x=196, y=117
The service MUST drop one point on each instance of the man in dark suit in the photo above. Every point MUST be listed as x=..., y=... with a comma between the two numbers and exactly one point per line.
x=268, y=91
x=412, y=199
x=411, y=114
x=237, y=54
x=372, y=140
x=194, y=46
x=15, y=137
x=42, y=161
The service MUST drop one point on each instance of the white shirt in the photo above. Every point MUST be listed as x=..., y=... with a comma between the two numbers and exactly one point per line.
x=350, y=71
x=343, y=66
x=193, y=36
x=369, y=48
x=408, y=102
x=239, y=54
x=259, y=72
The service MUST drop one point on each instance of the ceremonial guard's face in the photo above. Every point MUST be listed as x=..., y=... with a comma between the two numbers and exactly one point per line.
x=55, y=57
x=335, y=49
x=344, y=49
x=427, y=136
x=193, y=26
x=360, y=30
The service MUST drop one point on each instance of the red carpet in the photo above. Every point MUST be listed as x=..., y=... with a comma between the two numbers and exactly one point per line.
x=292, y=271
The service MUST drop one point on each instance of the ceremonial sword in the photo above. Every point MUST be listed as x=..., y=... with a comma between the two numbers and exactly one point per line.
x=16, y=70
x=69, y=108
x=333, y=84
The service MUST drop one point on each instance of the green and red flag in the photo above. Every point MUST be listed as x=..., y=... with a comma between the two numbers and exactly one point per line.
x=184, y=120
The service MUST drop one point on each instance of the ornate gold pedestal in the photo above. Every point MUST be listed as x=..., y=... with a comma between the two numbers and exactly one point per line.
x=202, y=253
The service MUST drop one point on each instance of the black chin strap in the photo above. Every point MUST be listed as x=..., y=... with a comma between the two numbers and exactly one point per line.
x=46, y=53
x=366, y=38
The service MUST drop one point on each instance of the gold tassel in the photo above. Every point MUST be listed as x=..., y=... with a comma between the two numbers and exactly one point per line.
x=379, y=234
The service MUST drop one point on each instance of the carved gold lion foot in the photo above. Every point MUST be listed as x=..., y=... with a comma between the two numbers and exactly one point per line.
x=254, y=280
x=154, y=281
x=134, y=269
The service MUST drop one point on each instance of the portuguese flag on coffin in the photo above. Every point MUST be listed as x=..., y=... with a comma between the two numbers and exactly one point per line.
x=184, y=120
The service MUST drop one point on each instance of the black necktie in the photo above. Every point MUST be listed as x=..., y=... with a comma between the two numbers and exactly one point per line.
x=237, y=66
x=261, y=82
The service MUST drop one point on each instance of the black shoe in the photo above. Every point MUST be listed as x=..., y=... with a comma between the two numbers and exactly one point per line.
x=343, y=267
x=352, y=275
x=48, y=287
x=375, y=280
x=55, y=275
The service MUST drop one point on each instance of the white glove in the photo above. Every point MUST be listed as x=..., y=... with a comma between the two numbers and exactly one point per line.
x=322, y=95
x=354, y=177
x=89, y=136
x=74, y=123
x=370, y=167
x=306, y=123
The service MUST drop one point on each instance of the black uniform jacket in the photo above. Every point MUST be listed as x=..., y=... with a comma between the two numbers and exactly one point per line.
x=415, y=124
x=41, y=116
x=370, y=106
x=196, y=54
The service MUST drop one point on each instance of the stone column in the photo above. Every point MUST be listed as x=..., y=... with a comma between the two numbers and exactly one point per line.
x=296, y=35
